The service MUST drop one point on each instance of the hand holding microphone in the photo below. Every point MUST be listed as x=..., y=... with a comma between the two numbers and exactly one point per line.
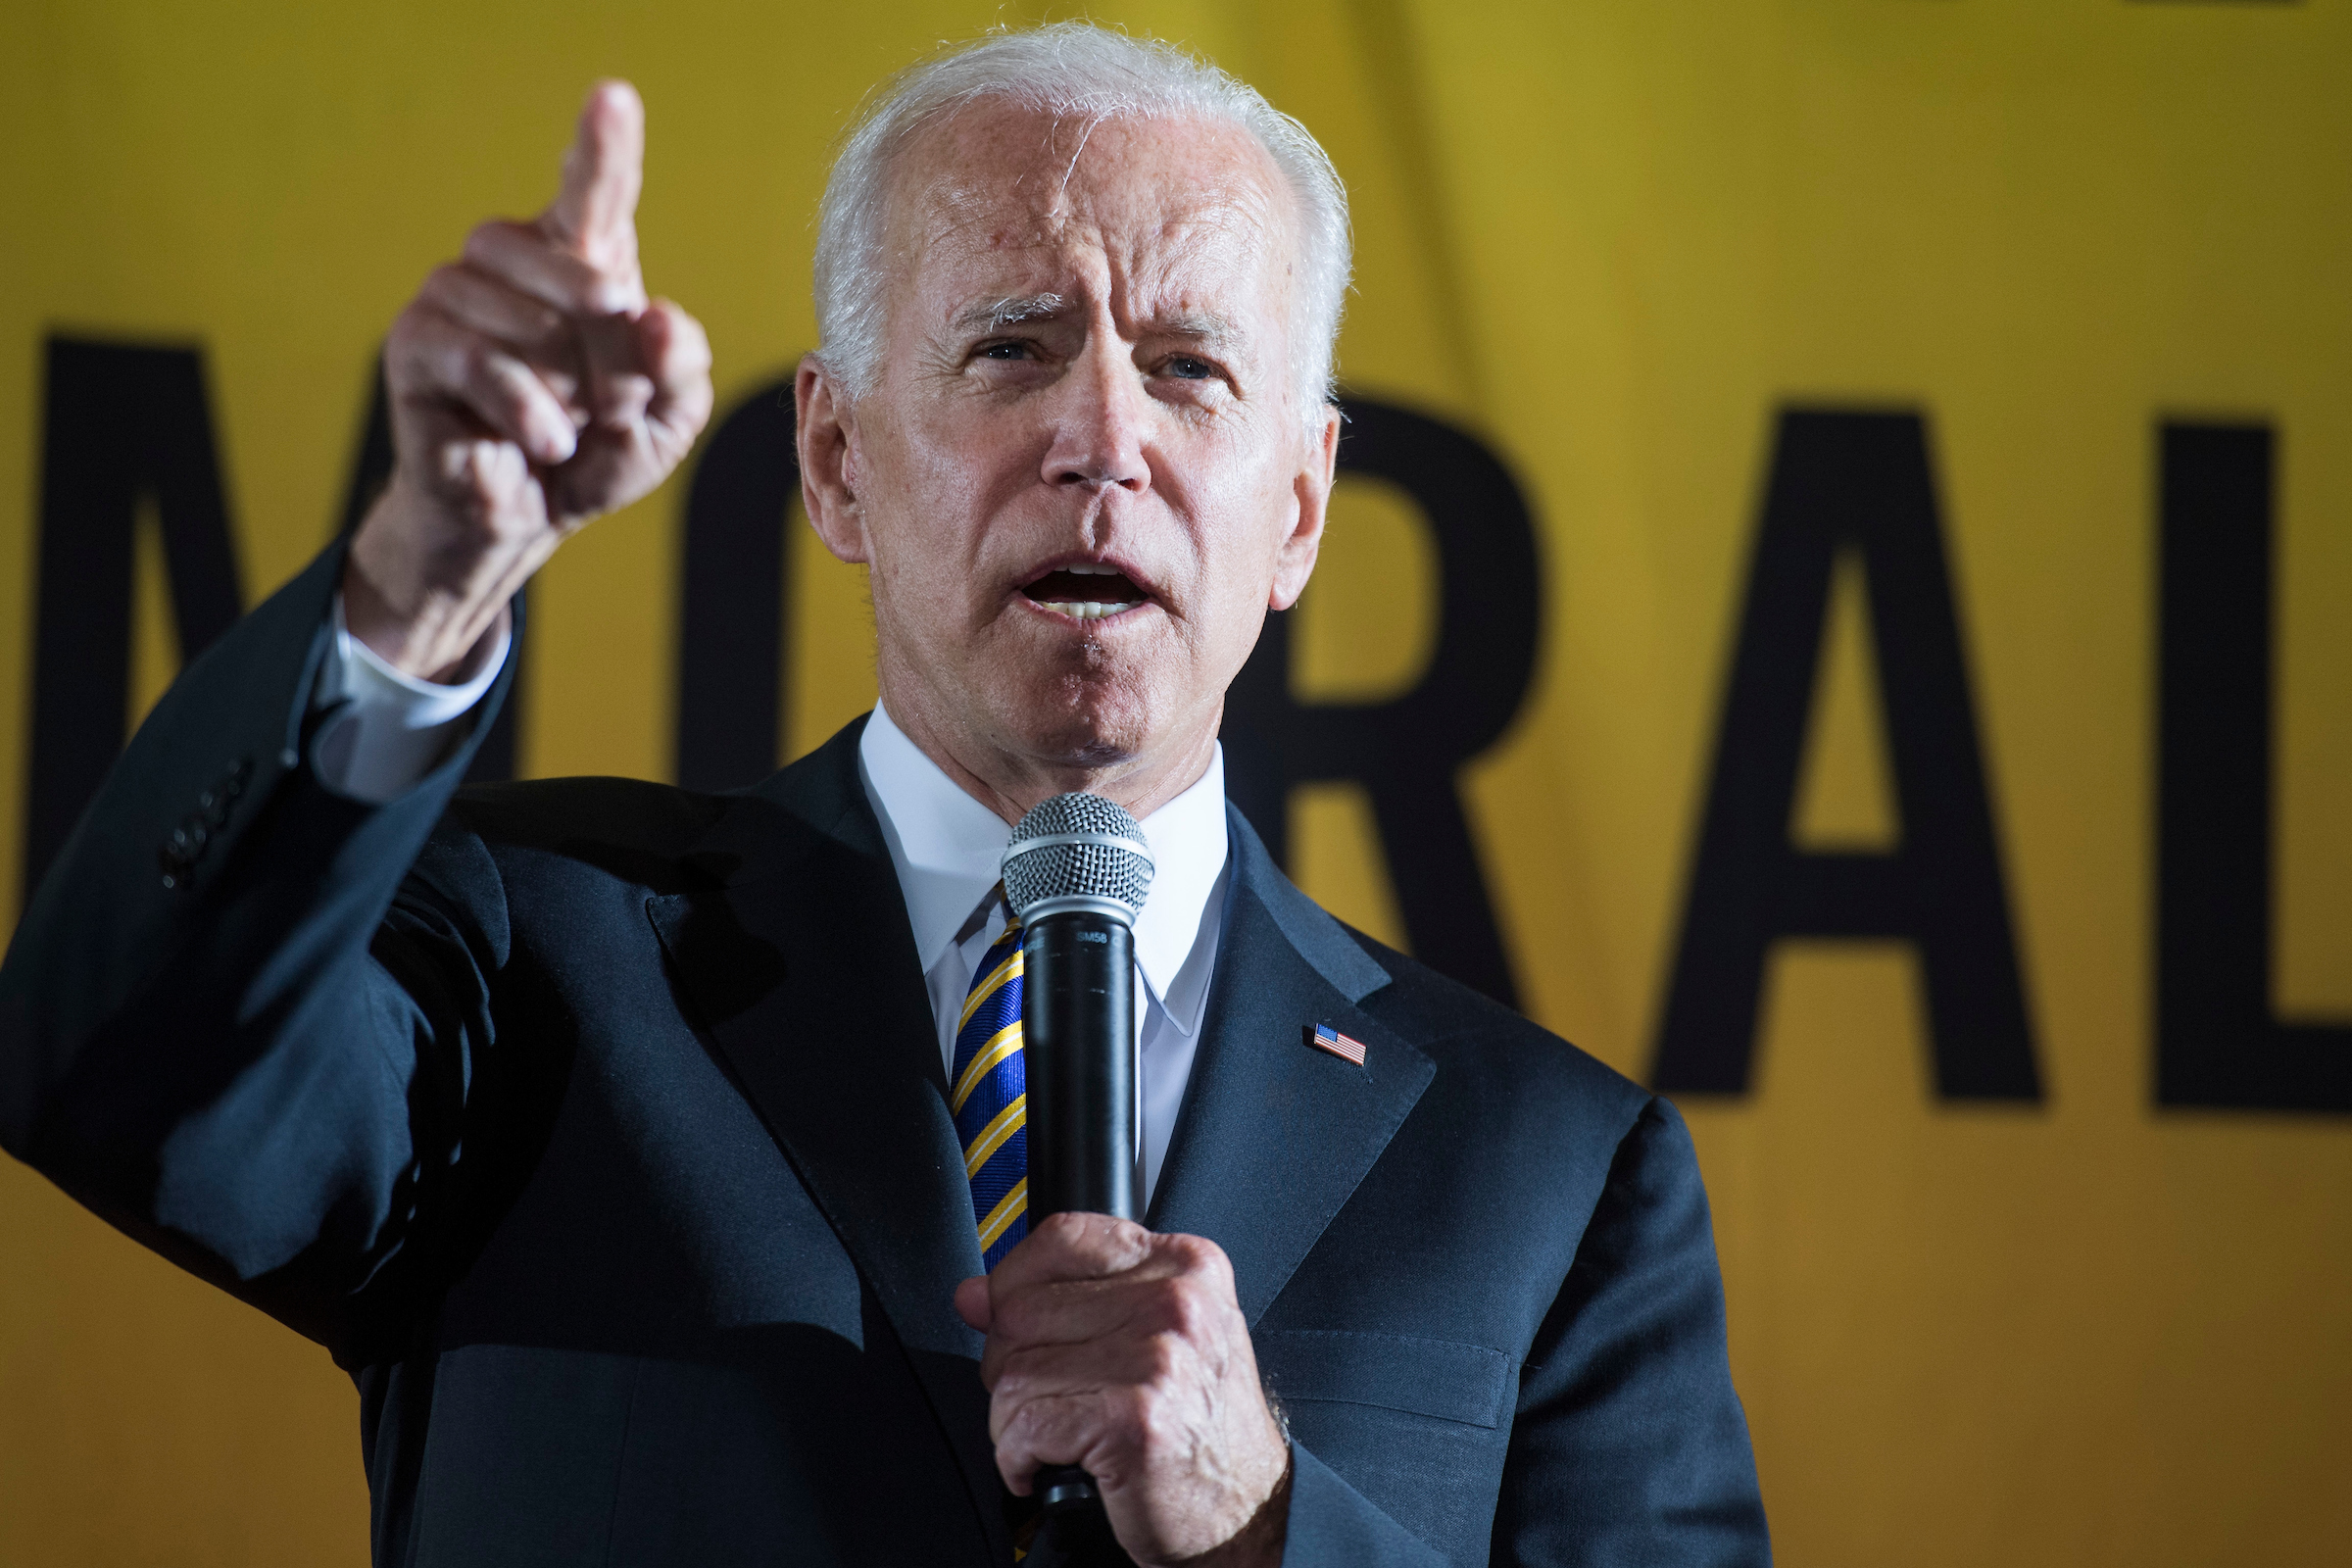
x=1118, y=1362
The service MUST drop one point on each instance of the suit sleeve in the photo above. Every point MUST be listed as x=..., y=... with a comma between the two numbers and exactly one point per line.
x=1629, y=1444
x=225, y=1026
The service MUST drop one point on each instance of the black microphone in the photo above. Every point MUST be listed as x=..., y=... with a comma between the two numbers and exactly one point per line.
x=1075, y=877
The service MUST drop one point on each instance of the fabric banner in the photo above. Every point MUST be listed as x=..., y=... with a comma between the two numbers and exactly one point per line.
x=1835, y=605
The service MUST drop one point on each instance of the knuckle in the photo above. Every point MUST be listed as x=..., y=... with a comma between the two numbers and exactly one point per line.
x=1163, y=1358
x=400, y=349
x=1204, y=1262
x=413, y=325
x=1197, y=1253
x=486, y=375
x=1177, y=1306
x=1025, y=1426
x=469, y=497
x=1136, y=1411
x=1051, y=1428
x=1015, y=1405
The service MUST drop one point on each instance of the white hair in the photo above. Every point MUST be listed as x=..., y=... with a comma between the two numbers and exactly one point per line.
x=1075, y=69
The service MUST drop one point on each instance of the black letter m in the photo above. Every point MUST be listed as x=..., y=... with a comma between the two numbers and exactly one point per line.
x=125, y=422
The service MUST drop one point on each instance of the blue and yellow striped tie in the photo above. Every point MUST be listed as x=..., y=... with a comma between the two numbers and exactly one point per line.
x=988, y=1095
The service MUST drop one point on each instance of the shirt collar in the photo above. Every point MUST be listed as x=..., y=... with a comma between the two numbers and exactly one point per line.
x=946, y=846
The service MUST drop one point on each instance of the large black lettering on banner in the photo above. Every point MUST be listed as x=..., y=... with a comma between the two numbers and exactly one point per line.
x=1407, y=753
x=121, y=423
x=2217, y=1042
x=732, y=619
x=370, y=472
x=1857, y=482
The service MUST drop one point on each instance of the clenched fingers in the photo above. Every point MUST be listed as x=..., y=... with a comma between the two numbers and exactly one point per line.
x=1076, y=1247
x=1127, y=1354
x=650, y=410
x=1183, y=1287
x=675, y=354
x=433, y=357
x=498, y=309
x=1046, y=1399
x=524, y=259
x=596, y=304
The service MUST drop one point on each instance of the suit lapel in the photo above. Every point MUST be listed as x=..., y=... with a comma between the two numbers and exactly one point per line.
x=1275, y=1134
x=798, y=963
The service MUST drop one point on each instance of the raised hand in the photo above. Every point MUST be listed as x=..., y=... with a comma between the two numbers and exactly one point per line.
x=1126, y=1353
x=534, y=388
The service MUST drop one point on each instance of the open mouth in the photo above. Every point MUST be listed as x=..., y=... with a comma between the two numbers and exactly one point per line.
x=1086, y=592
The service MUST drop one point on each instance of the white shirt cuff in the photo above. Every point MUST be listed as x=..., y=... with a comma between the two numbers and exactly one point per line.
x=397, y=727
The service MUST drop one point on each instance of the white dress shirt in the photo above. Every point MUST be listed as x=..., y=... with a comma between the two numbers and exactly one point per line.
x=944, y=844
x=398, y=726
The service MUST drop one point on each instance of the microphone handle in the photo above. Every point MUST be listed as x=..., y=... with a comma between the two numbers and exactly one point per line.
x=1078, y=1041
x=1079, y=1049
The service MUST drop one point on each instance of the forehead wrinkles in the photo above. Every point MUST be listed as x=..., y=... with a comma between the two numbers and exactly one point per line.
x=1151, y=197
x=1205, y=269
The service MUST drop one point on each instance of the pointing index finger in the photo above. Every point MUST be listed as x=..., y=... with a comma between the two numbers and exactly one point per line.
x=595, y=213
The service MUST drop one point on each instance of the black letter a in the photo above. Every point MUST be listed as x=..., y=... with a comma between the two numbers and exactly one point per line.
x=1858, y=482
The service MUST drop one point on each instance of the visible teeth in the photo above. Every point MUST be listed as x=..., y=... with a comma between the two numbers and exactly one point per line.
x=1086, y=570
x=1086, y=608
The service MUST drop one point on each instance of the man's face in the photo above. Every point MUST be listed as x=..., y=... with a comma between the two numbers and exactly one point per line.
x=1085, y=471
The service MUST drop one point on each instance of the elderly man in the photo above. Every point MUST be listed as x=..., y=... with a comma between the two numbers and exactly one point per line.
x=614, y=1137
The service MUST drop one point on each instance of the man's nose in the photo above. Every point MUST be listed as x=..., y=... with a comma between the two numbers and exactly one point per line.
x=1099, y=425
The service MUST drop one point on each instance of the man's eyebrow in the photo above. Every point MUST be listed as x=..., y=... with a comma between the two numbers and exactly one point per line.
x=1200, y=327
x=994, y=316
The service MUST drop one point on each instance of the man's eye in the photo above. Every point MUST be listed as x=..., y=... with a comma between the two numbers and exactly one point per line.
x=1186, y=368
x=1005, y=350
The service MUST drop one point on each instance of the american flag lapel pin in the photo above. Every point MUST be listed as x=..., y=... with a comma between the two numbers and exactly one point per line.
x=1323, y=1037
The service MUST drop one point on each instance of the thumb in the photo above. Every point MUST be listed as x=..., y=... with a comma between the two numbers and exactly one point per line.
x=972, y=1304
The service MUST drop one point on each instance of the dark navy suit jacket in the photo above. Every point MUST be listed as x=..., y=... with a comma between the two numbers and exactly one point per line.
x=598, y=1129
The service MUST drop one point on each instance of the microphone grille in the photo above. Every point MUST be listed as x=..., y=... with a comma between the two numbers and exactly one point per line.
x=1077, y=851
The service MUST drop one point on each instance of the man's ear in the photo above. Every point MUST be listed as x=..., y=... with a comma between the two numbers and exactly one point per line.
x=826, y=432
x=1295, y=556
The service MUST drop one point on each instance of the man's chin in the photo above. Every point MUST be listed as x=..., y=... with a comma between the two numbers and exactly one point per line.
x=1084, y=722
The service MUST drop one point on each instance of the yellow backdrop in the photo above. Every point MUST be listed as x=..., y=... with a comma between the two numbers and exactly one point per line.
x=1613, y=239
